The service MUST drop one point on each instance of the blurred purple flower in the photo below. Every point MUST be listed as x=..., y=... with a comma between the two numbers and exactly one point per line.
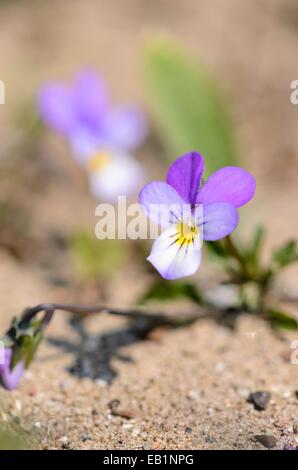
x=10, y=379
x=101, y=136
x=290, y=447
x=190, y=214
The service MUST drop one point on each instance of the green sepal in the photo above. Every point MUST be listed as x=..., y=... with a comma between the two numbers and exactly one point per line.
x=24, y=341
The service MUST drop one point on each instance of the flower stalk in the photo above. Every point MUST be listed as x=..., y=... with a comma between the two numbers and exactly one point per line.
x=24, y=336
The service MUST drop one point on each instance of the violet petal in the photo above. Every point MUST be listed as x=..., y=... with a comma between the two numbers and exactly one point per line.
x=185, y=175
x=125, y=128
x=230, y=184
x=91, y=99
x=10, y=378
x=162, y=204
x=56, y=107
x=219, y=220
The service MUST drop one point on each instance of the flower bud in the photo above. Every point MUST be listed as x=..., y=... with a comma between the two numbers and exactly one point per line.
x=10, y=376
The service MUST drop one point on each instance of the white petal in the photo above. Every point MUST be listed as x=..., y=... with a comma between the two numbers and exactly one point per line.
x=173, y=260
x=120, y=176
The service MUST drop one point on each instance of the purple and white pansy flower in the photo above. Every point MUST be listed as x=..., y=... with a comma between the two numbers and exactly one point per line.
x=101, y=136
x=191, y=213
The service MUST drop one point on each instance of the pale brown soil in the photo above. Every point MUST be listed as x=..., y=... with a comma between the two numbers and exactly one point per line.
x=184, y=388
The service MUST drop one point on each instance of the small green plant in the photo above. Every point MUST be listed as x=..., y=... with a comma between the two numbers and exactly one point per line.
x=96, y=260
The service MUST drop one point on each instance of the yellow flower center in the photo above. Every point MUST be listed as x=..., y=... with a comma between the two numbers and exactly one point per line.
x=98, y=161
x=186, y=233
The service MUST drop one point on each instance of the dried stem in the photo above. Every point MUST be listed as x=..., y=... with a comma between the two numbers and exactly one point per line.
x=84, y=311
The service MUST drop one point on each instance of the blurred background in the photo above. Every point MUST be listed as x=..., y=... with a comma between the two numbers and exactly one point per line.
x=249, y=49
x=46, y=210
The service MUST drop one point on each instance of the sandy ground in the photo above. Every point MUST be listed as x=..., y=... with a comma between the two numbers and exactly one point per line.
x=177, y=389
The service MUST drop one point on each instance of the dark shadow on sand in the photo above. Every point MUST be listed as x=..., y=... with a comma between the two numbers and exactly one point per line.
x=94, y=353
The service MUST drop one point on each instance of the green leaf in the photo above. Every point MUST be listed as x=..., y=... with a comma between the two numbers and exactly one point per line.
x=253, y=253
x=32, y=347
x=282, y=320
x=26, y=342
x=96, y=259
x=286, y=254
x=257, y=243
x=217, y=249
x=164, y=291
x=187, y=106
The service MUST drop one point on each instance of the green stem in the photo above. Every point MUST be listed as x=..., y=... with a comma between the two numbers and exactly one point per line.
x=235, y=253
x=263, y=282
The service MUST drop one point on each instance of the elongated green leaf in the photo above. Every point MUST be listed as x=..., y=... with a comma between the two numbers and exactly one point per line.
x=253, y=254
x=286, y=254
x=283, y=320
x=187, y=107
